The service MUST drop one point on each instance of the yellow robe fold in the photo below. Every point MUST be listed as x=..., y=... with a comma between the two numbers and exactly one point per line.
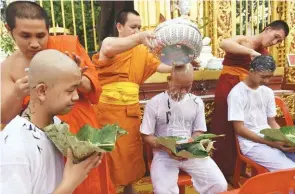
x=126, y=162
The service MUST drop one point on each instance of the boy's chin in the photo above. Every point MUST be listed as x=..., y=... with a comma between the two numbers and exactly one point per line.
x=65, y=111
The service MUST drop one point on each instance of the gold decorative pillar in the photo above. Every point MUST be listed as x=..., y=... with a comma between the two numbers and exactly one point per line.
x=221, y=25
x=290, y=19
x=150, y=11
x=280, y=11
x=288, y=14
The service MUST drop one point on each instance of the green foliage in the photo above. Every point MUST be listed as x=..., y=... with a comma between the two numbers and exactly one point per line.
x=78, y=18
x=6, y=42
x=86, y=142
x=284, y=134
x=241, y=5
x=106, y=136
x=200, y=147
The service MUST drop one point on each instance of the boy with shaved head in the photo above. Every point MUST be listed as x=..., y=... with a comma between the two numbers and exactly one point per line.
x=251, y=108
x=28, y=24
x=177, y=112
x=30, y=163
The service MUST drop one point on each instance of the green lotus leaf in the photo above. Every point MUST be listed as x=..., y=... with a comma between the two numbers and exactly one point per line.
x=284, y=134
x=87, y=141
x=207, y=136
x=200, y=147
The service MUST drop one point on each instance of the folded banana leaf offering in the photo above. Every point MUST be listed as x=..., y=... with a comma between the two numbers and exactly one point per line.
x=87, y=141
x=196, y=147
x=284, y=134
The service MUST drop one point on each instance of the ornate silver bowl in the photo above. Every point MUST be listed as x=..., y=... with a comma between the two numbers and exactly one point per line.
x=182, y=41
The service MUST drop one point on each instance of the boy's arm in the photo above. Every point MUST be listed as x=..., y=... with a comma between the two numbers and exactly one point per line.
x=242, y=131
x=273, y=123
x=75, y=174
x=148, y=125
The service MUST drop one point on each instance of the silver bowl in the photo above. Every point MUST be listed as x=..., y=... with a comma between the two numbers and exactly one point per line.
x=182, y=41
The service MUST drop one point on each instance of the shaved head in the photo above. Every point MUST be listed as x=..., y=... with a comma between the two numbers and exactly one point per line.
x=53, y=80
x=186, y=70
x=49, y=66
x=180, y=81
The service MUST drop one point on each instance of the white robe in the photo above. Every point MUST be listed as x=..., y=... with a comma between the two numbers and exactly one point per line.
x=166, y=117
x=253, y=107
x=29, y=162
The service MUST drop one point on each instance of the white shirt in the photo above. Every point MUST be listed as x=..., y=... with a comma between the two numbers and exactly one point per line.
x=29, y=163
x=253, y=107
x=166, y=117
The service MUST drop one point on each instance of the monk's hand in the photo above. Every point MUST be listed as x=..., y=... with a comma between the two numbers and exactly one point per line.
x=75, y=174
x=78, y=60
x=254, y=54
x=86, y=85
x=21, y=87
x=146, y=38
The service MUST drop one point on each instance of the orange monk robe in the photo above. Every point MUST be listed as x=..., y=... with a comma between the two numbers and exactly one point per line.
x=98, y=180
x=136, y=65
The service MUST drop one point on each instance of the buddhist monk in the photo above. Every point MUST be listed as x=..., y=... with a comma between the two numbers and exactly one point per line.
x=240, y=50
x=29, y=160
x=28, y=24
x=123, y=64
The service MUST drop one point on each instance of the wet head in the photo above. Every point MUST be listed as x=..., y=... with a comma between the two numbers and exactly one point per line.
x=28, y=24
x=262, y=70
x=180, y=82
x=128, y=22
x=54, y=79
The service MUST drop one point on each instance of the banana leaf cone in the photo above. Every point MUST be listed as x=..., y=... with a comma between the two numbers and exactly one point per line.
x=284, y=134
x=197, y=147
x=87, y=141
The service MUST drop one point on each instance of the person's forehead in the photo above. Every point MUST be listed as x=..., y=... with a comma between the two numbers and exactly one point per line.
x=279, y=32
x=26, y=24
x=133, y=19
x=182, y=80
x=69, y=80
x=265, y=73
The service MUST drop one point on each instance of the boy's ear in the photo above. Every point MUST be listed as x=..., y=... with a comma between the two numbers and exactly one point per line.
x=162, y=18
x=41, y=91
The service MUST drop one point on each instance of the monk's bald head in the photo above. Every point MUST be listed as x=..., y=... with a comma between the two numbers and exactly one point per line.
x=50, y=67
